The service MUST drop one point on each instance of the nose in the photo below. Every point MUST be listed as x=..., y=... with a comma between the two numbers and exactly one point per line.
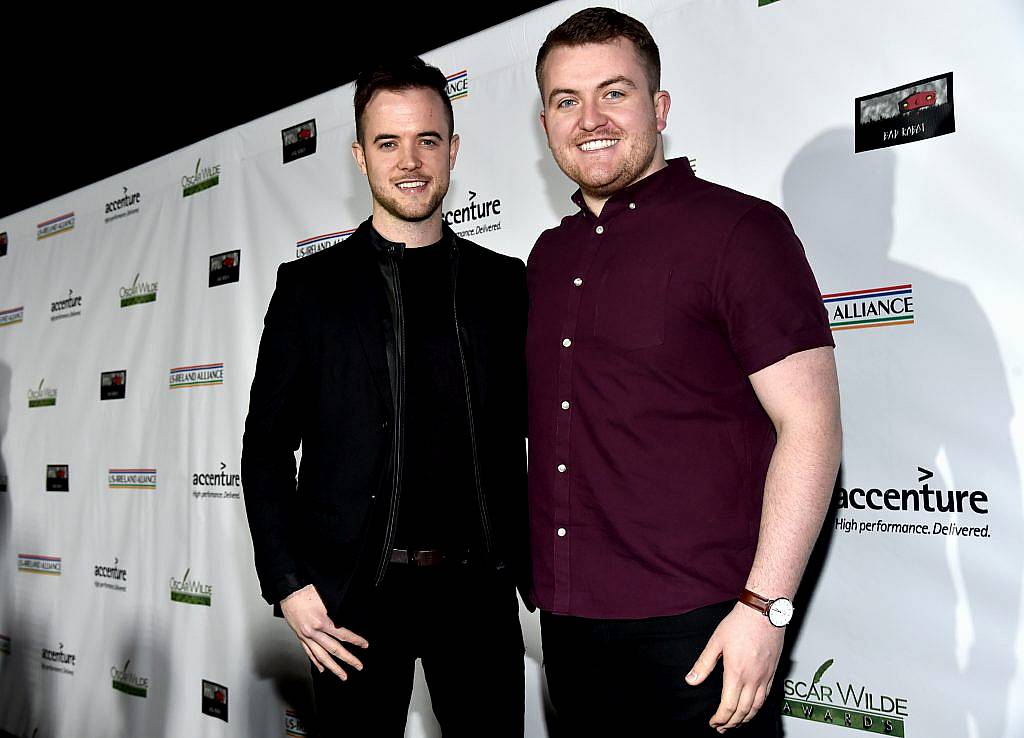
x=410, y=159
x=592, y=116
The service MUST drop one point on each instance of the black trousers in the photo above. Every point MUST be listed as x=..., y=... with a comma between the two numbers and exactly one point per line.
x=626, y=677
x=463, y=623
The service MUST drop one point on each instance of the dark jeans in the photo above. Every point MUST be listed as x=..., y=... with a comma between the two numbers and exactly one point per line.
x=463, y=623
x=626, y=677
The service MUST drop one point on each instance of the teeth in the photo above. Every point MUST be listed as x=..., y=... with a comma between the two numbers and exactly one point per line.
x=604, y=143
x=410, y=185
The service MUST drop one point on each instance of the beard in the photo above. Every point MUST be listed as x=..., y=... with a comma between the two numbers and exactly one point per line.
x=604, y=180
x=412, y=211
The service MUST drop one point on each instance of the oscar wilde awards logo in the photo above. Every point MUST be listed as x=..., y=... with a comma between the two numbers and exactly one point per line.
x=215, y=700
x=477, y=216
x=319, y=243
x=138, y=293
x=125, y=680
x=911, y=112
x=42, y=396
x=10, y=316
x=122, y=207
x=39, y=564
x=224, y=267
x=299, y=141
x=202, y=179
x=219, y=485
x=59, y=661
x=191, y=592
x=132, y=479
x=966, y=504
x=58, y=478
x=458, y=85
x=110, y=577
x=844, y=704
x=66, y=307
x=52, y=227
x=197, y=375
x=879, y=307
x=113, y=384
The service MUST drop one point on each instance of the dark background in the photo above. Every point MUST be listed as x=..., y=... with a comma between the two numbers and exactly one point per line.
x=89, y=95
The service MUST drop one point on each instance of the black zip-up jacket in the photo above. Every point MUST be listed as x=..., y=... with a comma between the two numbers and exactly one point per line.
x=331, y=375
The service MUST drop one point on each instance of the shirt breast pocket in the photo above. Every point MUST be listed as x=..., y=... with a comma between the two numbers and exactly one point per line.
x=631, y=304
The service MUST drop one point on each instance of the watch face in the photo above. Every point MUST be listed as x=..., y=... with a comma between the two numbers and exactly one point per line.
x=780, y=612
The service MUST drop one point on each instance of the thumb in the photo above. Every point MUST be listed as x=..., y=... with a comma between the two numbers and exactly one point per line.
x=705, y=663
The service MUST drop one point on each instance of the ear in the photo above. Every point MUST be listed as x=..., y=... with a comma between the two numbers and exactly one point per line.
x=453, y=151
x=543, y=122
x=359, y=156
x=662, y=102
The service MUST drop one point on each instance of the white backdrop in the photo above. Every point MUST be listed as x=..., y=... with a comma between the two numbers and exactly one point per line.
x=908, y=627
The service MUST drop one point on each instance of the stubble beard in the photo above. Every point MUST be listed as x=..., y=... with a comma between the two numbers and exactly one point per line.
x=408, y=212
x=638, y=158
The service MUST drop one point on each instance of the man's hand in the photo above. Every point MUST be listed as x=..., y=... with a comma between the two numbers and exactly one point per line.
x=307, y=616
x=750, y=647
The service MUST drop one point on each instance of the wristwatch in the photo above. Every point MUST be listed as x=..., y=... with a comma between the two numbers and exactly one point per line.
x=778, y=611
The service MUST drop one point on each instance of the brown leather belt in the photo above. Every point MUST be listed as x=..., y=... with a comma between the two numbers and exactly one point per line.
x=419, y=558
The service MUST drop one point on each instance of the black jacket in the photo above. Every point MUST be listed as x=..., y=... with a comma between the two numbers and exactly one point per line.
x=331, y=374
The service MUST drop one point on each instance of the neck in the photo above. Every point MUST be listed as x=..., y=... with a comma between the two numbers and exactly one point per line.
x=596, y=202
x=412, y=233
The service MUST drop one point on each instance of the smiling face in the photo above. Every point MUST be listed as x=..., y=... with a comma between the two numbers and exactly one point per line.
x=601, y=120
x=406, y=153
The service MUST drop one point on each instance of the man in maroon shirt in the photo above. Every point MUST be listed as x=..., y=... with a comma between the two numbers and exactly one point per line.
x=684, y=412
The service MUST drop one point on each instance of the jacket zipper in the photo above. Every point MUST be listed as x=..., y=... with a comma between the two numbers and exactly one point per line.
x=469, y=408
x=396, y=438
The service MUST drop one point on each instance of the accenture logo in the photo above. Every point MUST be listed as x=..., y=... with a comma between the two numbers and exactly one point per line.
x=122, y=207
x=475, y=217
x=67, y=307
x=57, y=660
x=110, y=577
x=879, y=307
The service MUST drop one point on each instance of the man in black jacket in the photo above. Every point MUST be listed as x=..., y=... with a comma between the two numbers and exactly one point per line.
x=396, y=359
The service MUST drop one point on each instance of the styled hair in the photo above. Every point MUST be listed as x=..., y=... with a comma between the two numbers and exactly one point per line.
x=397, y=75
x=600, y=26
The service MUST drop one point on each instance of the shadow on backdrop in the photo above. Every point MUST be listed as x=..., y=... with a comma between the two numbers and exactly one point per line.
x=932, y=395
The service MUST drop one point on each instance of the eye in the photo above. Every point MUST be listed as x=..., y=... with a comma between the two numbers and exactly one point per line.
x=615, y=94
x=428, y=142
x=387, y=145
x=565, y=103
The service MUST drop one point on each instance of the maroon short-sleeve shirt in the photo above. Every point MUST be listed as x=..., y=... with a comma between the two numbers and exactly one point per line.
x=648, y=447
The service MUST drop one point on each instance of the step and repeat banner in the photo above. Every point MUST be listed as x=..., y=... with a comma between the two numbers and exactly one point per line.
x=131, y=312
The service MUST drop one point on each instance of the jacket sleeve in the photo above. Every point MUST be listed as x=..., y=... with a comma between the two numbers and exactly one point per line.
x=272, y=435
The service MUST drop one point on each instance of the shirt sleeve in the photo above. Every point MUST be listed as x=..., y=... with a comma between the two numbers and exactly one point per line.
x=765, y=292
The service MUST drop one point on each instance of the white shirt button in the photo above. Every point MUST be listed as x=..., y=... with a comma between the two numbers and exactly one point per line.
x=599, y=230
x=578, y=282
x=566, y=342
x=565, y=404
x=561, y=532
x=562, y=468
x=632, y=206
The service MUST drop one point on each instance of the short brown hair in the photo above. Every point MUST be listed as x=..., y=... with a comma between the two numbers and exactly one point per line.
x=397, y=75
x=601, y=26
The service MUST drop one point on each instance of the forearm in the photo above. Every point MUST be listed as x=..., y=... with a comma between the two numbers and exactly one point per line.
x=797, y=492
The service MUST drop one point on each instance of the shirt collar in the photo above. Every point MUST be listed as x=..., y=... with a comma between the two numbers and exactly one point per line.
x=639, y=191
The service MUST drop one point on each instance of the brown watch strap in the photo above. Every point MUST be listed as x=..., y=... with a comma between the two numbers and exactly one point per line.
x=756, y=601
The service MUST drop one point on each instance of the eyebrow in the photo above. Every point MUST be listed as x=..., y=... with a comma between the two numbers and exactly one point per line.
x=421, y=134
x=620, y=79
